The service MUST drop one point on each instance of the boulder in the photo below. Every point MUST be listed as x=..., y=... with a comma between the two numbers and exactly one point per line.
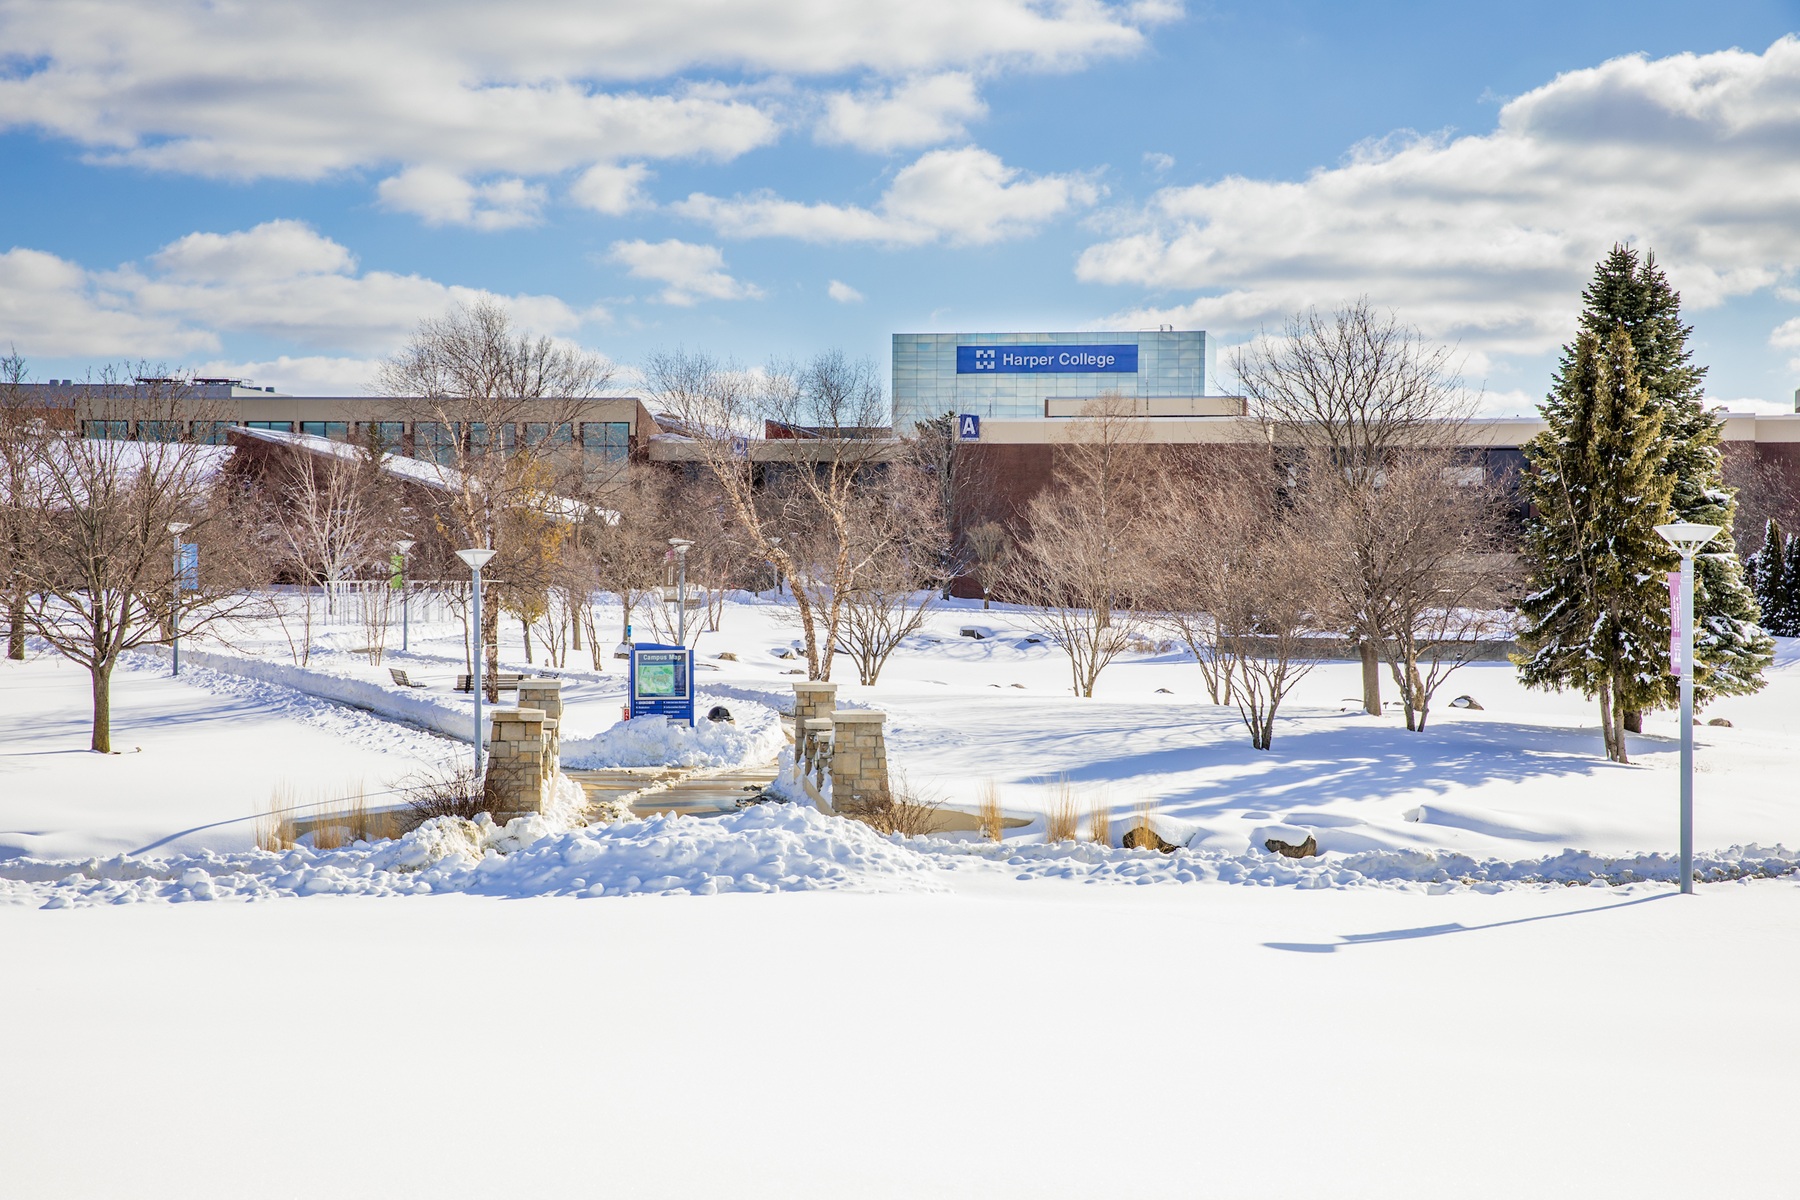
x=784, y=652
x=1020, y=686
x=1289, y=841
x=1307, y=849
x=1466, y=702
x=1721, y=722
x=719, y=712
x=1164, y=692
x=1142, y=837
x=969, y=631
x=725, y=656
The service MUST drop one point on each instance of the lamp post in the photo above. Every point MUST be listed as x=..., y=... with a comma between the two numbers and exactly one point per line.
x=477, y=559
x=1687, y=539
x=404, y=545
x=681, y=548
x=177, y=528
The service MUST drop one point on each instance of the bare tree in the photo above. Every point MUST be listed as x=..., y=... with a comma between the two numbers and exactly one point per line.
x=987, y=545
x=100, y=560
x=25, y=422
x=831, y=417
x=1353, y=388
x=1418, y=558
x=897, y=551
x=473, y=387
x=1083, y=566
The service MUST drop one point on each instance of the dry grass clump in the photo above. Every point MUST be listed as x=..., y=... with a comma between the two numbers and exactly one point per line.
x=988, y=815
x=901, y=809
x=275, y=828
x=1062, y=820
x=1100, y=821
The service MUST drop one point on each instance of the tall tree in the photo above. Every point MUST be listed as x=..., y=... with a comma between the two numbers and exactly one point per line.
x=1596, y=609
x=1731, y=650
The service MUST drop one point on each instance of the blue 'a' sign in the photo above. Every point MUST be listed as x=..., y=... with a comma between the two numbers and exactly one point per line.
x=1032, y=360
x=187, y=567
x=662, y=682
x=968, y=427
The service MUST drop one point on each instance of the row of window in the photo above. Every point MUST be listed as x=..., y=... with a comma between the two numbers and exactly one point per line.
x=430, y=439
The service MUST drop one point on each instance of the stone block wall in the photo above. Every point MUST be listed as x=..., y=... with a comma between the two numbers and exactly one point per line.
x=859, y=768
x=522, y=761
x=812, y=701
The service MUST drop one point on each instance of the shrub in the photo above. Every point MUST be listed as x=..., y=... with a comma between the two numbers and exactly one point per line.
x=451, y=792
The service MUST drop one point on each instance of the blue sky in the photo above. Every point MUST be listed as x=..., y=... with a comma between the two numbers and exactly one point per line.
x=284, y=191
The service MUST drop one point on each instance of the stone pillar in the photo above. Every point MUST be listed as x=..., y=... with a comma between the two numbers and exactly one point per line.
x=817, y=756
x=542, y=693
x=519, y=770
x=859, y=770
x=811, y=701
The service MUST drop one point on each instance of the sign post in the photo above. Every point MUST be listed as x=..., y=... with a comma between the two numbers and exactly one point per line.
x=662, y=682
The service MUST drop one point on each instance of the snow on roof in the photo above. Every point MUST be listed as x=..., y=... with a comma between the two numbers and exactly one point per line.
x=130, y=457
x=415, y=470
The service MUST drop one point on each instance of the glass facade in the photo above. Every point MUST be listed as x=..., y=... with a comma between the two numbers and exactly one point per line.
x=337, y=431
x=610, y=440
x=1170, y=364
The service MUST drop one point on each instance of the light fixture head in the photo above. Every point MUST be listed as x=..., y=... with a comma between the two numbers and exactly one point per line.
x=476, y=558
x=1687, y=537
x=179, y=527
x=681, y=544
x=404, y=545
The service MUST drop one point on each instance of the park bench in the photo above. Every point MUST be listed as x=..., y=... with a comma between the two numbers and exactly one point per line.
x=401, y=679
x=503, y=682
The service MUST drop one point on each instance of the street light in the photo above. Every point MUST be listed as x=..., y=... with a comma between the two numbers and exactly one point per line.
x=404, y=545
x=177, y=528
x=477, y=559
x=1687, y=539
x=681, y=548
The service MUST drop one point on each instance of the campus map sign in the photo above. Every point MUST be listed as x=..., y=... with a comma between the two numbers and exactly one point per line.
x=662, y=682
x=1032, y=360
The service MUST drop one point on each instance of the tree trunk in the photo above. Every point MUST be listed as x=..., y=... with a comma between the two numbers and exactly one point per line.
x=490, y=639
x=1634, y=720
x=525, y=627
x=1371, y=678
x=1606, y=721
x=101, y=678
x=1619, y=725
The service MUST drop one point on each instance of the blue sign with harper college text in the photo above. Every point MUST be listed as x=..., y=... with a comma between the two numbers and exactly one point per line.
x=1031, y=360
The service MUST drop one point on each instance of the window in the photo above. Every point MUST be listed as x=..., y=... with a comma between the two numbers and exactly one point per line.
x=159, y=431
x=538, y=433
x=390, y=434
x=610, y=440
x=481, y=436
x=112, y=431
x=337, y=431
x=211, y=433
x=281, y=426
x=436, y=441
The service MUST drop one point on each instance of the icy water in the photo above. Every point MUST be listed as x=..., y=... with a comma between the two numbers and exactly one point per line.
x=651, y=790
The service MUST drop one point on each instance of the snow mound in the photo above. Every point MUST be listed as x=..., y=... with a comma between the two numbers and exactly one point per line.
x=765, y=848
x=754, y=739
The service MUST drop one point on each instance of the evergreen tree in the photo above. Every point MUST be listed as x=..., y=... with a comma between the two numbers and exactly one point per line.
x=1596, y=614
x=1731, y=650
x=1768, y=579
x=1783, y=611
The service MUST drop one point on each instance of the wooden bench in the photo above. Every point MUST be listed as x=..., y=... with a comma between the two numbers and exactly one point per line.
x=401, y=679
x=503, y=682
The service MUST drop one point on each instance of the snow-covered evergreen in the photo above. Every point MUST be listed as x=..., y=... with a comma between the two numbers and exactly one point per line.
x=1731, y=648
x=1596, y=614
x=1774, y=575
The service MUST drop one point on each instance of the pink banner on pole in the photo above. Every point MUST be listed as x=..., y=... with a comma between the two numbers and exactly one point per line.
x=1675, y=623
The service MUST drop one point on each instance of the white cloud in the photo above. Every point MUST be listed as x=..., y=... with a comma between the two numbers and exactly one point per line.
x=963, y=197
x=843, y=293
x=513, y=94
x=917, y=112
x=1786, y=334
x=1488, y=239
x=307, y=375
x=692, y=272
x=281, y=279
x=443, y=197
x=1158, y=163
x=612, y=190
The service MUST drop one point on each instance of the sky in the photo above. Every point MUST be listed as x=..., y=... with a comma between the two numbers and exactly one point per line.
x=282, y=192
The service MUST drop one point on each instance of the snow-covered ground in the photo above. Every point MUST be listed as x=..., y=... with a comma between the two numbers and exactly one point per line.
x=810, y=1009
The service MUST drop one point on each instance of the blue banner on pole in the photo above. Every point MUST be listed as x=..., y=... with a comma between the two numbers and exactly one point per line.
x=968, y=427
x=662, y=682
x=1031, y=360
x=187, y=572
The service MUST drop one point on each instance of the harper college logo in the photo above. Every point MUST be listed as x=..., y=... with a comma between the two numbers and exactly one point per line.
x=984, y=361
